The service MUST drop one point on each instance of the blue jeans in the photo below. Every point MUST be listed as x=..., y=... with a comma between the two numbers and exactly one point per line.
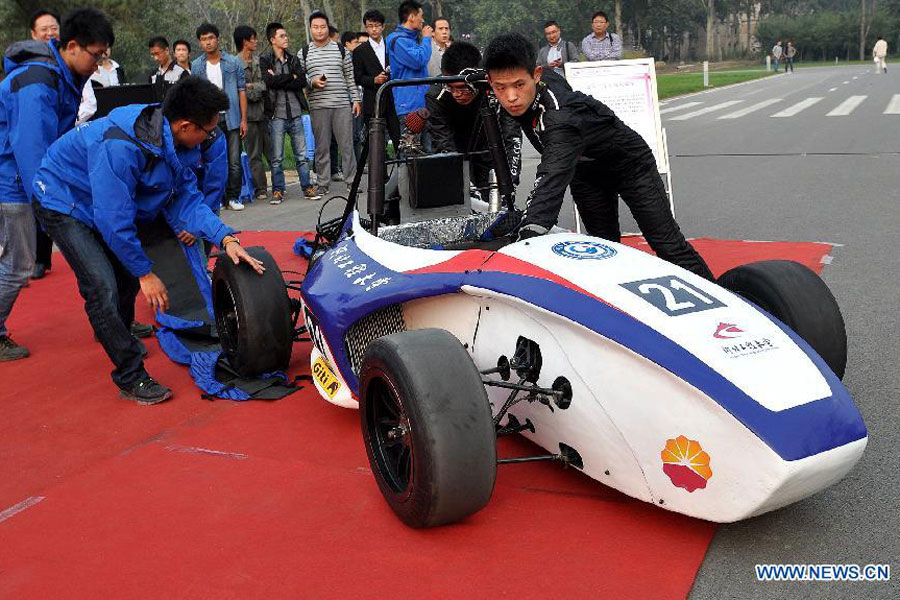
x=17, y=248
x=108, y=289
x=278, y=128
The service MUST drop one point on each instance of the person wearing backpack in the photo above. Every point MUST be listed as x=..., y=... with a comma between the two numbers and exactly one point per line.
x=333, y=99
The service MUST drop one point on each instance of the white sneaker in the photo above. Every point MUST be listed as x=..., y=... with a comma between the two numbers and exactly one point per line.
x=338, y=176
x=235, y=205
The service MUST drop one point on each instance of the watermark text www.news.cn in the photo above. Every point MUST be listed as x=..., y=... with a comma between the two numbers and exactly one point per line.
x=823, y=572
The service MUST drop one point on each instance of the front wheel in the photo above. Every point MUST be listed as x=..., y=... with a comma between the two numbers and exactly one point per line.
x=427, y=427
x=797, y=297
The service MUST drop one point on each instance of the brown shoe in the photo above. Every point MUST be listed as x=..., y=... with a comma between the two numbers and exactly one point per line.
x=312, y=193
x=277, y=197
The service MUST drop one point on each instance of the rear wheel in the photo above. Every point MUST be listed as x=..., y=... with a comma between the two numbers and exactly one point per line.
x=253, y=315
x=427, y=427
x=798, y=298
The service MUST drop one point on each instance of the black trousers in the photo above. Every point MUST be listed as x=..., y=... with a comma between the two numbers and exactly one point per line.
x=44, y=248
x=595, y=192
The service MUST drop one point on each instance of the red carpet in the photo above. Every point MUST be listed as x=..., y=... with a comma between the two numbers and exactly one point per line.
x=199, y=499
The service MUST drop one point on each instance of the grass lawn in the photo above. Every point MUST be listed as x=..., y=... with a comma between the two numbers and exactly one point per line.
x=678, y=84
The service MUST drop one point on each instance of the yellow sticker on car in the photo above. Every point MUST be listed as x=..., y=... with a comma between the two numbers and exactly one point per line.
x=328, y=381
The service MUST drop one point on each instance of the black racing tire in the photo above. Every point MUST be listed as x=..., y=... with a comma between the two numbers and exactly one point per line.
x=798, y=298
x=253, y=315
x=441, y=466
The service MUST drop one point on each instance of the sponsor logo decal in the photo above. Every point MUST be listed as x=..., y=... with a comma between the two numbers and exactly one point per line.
x=748, y=347
x=583, y=250
x=673, y=295
x=686, y=464
x=727, y=331
x=325, y=377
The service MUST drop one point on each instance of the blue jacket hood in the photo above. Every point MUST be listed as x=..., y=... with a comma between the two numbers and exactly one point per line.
x=32, y=52
x=146, y=132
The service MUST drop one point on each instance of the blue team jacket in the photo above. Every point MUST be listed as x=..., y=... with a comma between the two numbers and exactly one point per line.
x=409, y=60
x=120, y=170
x=38, y=103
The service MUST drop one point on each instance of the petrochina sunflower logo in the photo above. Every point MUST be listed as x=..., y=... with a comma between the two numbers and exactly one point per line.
x=686, y=464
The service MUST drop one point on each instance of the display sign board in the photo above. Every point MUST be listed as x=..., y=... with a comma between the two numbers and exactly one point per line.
x=628, y=87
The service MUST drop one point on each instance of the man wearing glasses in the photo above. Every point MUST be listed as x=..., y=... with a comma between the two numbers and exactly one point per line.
x=456, y=122
x=601, y=44
x=39, y=101
x=99, y=181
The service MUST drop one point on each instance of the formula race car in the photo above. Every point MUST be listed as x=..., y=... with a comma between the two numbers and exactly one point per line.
x=717, y=400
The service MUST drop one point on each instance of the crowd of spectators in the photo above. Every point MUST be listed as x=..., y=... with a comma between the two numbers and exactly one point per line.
x=325, y=87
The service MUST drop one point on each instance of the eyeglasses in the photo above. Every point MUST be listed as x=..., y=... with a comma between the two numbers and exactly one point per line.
x=599, y=22
x=97, y=56
x=210, y=133
x=459, y=91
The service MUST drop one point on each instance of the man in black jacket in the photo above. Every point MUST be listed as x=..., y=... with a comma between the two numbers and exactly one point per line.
x=283, y=106
x=455, y=118
x=584, y=146
x=371, y=68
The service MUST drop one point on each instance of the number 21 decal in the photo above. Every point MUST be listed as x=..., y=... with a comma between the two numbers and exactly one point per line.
x=672, y=295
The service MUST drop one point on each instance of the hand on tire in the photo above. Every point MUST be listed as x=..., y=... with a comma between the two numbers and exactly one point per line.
x=154, y=291
x=237, y=254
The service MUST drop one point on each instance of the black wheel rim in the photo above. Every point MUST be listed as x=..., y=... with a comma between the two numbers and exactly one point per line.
x=228, y=320
x=390, y=437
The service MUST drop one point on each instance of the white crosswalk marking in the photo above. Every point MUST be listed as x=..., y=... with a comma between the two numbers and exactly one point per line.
x=847, y=106
x=800, y=106
x=706, y=110
x=681, y=107
x=749, y=109
x=893, y=107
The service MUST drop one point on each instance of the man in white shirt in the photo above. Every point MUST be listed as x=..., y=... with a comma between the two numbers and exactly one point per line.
x=440, y=41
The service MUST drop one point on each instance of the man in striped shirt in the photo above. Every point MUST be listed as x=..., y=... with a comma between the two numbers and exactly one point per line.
x=333, y=99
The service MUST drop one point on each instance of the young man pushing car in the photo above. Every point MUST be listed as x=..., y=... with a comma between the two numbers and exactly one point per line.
x=584, y=146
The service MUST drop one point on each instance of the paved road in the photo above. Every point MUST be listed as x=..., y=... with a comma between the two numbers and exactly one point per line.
x=828, y=172
x=810, y=156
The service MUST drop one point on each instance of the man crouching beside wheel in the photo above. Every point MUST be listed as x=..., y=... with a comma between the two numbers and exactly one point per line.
x=100, y=179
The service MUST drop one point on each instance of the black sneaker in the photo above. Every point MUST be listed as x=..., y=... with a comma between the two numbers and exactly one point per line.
x=140, y=330
x=9, y=350
x=146, y=391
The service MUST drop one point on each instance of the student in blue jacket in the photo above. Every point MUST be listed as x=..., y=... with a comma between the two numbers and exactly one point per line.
x=39, y=101
x=105, y=176
x=409, y=55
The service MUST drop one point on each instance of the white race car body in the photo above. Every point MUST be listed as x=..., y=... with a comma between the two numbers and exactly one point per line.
x=683, y=394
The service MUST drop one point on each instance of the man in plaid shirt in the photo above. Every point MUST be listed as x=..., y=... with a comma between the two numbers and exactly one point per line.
x=599, y=44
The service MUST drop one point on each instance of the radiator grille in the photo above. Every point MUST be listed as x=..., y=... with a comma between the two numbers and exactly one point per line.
x=368, y=329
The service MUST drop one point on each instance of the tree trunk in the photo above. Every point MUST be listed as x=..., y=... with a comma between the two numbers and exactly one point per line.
x=862, y=31
x=749, y=27
x=437, y=9
x=619, y=17
x=710, y=34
